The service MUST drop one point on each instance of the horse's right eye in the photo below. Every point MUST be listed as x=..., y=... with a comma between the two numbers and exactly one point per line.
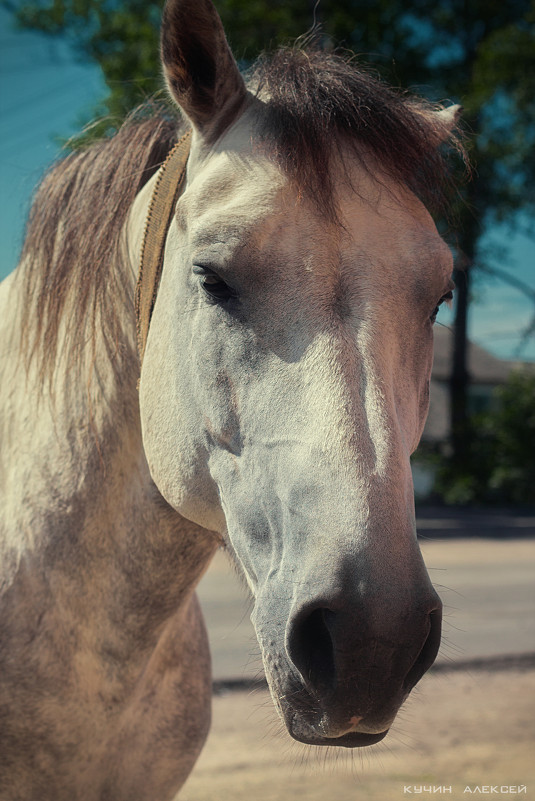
x=214, y=286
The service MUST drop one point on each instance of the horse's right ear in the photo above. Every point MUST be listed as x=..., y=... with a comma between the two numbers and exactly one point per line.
x=199, y=68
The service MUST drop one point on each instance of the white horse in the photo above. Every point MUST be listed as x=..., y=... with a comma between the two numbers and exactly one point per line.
x=283, y=387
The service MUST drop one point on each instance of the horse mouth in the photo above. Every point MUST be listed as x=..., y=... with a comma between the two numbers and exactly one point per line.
x=330, y=720
x=308, y=734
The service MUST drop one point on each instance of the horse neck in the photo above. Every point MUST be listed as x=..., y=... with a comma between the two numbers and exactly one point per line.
x=78, y=491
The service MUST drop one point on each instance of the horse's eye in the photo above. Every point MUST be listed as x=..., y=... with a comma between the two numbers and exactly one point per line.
x=214, y=286
x=445, y=299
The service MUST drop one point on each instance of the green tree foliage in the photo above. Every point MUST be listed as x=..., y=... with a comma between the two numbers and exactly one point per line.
x=501, y=463
x=481, y=54
x=123, y=38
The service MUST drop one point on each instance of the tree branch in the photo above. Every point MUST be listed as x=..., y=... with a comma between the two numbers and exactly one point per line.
x=503, y=275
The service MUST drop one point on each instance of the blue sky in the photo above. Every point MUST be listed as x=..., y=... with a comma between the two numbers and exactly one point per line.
x=45, y=92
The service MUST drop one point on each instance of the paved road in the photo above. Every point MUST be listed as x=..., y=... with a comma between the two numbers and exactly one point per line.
x=487, y=585
x=448, y=522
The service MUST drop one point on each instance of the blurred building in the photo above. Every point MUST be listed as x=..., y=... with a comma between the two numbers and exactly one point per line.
x=486, y=373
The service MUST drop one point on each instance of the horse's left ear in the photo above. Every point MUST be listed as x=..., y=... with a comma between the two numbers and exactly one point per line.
x=449, y=117
x=199, y=68
x=446, y=121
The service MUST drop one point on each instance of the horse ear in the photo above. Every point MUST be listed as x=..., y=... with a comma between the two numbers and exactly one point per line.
x=199, y=68
x=445, y=121
x=449, y=117
x=441, y=123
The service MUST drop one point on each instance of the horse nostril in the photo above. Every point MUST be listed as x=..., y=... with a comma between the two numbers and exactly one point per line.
x=324, y=652
x=428, y=652
x=310, y=648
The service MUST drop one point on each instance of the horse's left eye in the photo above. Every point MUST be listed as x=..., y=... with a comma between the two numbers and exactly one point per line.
x=214, y=286
x=445, y=299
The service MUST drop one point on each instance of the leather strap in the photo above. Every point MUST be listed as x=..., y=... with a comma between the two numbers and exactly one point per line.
x=169, y=185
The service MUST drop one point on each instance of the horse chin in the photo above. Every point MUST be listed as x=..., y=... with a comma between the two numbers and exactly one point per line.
x=328, y=721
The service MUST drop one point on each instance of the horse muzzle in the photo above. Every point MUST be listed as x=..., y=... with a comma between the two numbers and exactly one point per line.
x=340, y=679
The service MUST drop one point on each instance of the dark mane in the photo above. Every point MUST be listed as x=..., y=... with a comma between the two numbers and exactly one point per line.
x=74, y=233
x=320, y=101
x=315, y=101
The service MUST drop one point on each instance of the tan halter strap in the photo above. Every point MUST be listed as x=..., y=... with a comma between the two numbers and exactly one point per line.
x=167, y=190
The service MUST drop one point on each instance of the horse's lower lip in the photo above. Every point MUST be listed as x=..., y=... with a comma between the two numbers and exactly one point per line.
x=350, y=740
x=309, y=734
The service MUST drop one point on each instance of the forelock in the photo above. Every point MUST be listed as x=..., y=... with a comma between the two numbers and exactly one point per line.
x=316, y=105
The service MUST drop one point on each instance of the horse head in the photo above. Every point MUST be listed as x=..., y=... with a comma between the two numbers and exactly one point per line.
x=285, y=379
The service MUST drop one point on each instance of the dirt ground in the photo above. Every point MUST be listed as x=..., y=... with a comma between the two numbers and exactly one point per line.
x=471, y=731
